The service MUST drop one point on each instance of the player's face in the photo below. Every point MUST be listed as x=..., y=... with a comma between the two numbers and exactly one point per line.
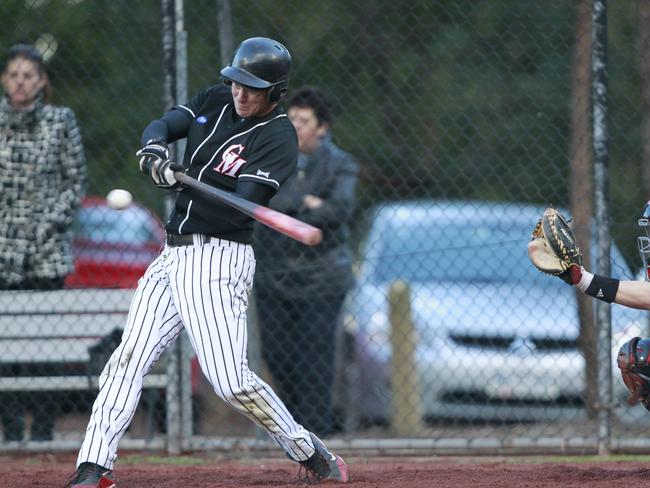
x=22, y=82
x=250, y=102
x=309, y=131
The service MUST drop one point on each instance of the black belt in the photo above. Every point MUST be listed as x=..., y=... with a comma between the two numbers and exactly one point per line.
x=185, y=239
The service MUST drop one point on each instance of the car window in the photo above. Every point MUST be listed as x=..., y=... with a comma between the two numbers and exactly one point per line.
x=459, y=250
x=131, y=226
x=452, y=251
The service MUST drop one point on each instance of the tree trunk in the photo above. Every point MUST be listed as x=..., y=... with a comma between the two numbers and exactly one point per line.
x=581, y=186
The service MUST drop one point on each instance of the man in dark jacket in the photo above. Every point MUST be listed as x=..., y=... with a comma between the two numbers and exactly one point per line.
x=299, y=290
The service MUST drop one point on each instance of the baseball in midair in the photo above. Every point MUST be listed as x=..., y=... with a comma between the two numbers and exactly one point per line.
x=119, y=199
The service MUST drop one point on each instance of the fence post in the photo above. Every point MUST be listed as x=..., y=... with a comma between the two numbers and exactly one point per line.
x=405, y=379
x=181, y=95
x=603, y=238
x=174, y=356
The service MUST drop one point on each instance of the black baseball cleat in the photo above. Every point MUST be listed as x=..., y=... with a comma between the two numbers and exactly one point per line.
x=91, y=475
x=324, y=465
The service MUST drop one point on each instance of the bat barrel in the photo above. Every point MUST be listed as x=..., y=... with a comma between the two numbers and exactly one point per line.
x=292, y=227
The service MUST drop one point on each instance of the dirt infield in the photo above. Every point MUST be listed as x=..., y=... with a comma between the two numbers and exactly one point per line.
x=44, y=470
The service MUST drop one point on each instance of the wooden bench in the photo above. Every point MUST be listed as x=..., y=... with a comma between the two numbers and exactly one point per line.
x=46, y=337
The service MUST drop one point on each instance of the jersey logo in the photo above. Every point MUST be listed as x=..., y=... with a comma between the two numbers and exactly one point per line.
x=202, y=119
x=231, y=163
x=265, y=174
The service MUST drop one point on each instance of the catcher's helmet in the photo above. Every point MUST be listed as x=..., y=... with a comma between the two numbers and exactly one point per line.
x=632, y=360
x=634, y=356
x=260, y=63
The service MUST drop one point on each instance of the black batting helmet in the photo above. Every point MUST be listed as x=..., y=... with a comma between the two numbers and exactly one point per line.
x=260, y=62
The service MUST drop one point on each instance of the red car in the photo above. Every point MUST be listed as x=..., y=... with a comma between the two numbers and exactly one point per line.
x=113, y=248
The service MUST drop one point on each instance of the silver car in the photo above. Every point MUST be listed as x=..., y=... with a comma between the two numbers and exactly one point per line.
x=496, y=339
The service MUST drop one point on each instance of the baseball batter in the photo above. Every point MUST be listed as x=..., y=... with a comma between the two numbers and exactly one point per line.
x=238, y=139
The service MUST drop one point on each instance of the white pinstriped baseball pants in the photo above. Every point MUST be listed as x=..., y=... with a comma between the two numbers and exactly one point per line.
x=203, y=288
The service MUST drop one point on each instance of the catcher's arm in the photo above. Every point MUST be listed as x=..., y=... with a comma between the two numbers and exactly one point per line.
x=634, y=294
x=553, y=250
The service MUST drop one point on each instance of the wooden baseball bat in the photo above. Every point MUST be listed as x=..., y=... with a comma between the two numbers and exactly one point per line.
x=294, y=228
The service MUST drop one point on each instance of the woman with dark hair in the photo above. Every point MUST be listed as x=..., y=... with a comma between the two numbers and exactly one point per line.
x=42, y=175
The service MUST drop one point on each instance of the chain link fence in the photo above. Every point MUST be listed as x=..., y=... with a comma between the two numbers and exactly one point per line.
x=465, y=119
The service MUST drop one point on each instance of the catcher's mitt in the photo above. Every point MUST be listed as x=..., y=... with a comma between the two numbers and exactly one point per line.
x=553, y=248
x=632, y=360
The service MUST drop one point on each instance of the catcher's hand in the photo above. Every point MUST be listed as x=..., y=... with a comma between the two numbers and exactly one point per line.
x=553, y=248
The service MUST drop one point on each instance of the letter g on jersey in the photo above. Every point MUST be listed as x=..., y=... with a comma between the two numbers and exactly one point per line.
x=231, y=162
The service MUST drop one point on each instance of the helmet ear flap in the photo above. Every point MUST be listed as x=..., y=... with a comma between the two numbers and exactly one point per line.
x=276, y=93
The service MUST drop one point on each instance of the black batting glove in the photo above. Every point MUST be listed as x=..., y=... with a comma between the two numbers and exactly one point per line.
x=162, y=174
x=155, y=152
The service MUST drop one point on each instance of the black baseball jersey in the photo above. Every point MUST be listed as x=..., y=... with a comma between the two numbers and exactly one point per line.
x=223, y=149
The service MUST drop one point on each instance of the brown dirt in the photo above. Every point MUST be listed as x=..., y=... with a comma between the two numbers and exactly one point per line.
x=51, y=470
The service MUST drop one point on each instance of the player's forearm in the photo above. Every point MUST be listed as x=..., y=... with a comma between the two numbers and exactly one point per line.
x=251, y=191
x=635, y=294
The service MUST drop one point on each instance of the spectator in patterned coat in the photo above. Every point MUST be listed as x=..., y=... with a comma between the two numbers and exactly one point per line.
x=42, y=176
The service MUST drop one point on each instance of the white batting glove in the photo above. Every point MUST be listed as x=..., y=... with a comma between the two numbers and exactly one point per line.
x=162, y=173
x=154, y=152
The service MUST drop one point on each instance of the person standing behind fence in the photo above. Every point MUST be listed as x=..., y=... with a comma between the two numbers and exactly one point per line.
x=42, y=175
x=299, y=290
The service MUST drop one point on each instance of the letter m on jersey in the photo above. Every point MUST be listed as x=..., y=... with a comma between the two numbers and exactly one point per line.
x=231, y=163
